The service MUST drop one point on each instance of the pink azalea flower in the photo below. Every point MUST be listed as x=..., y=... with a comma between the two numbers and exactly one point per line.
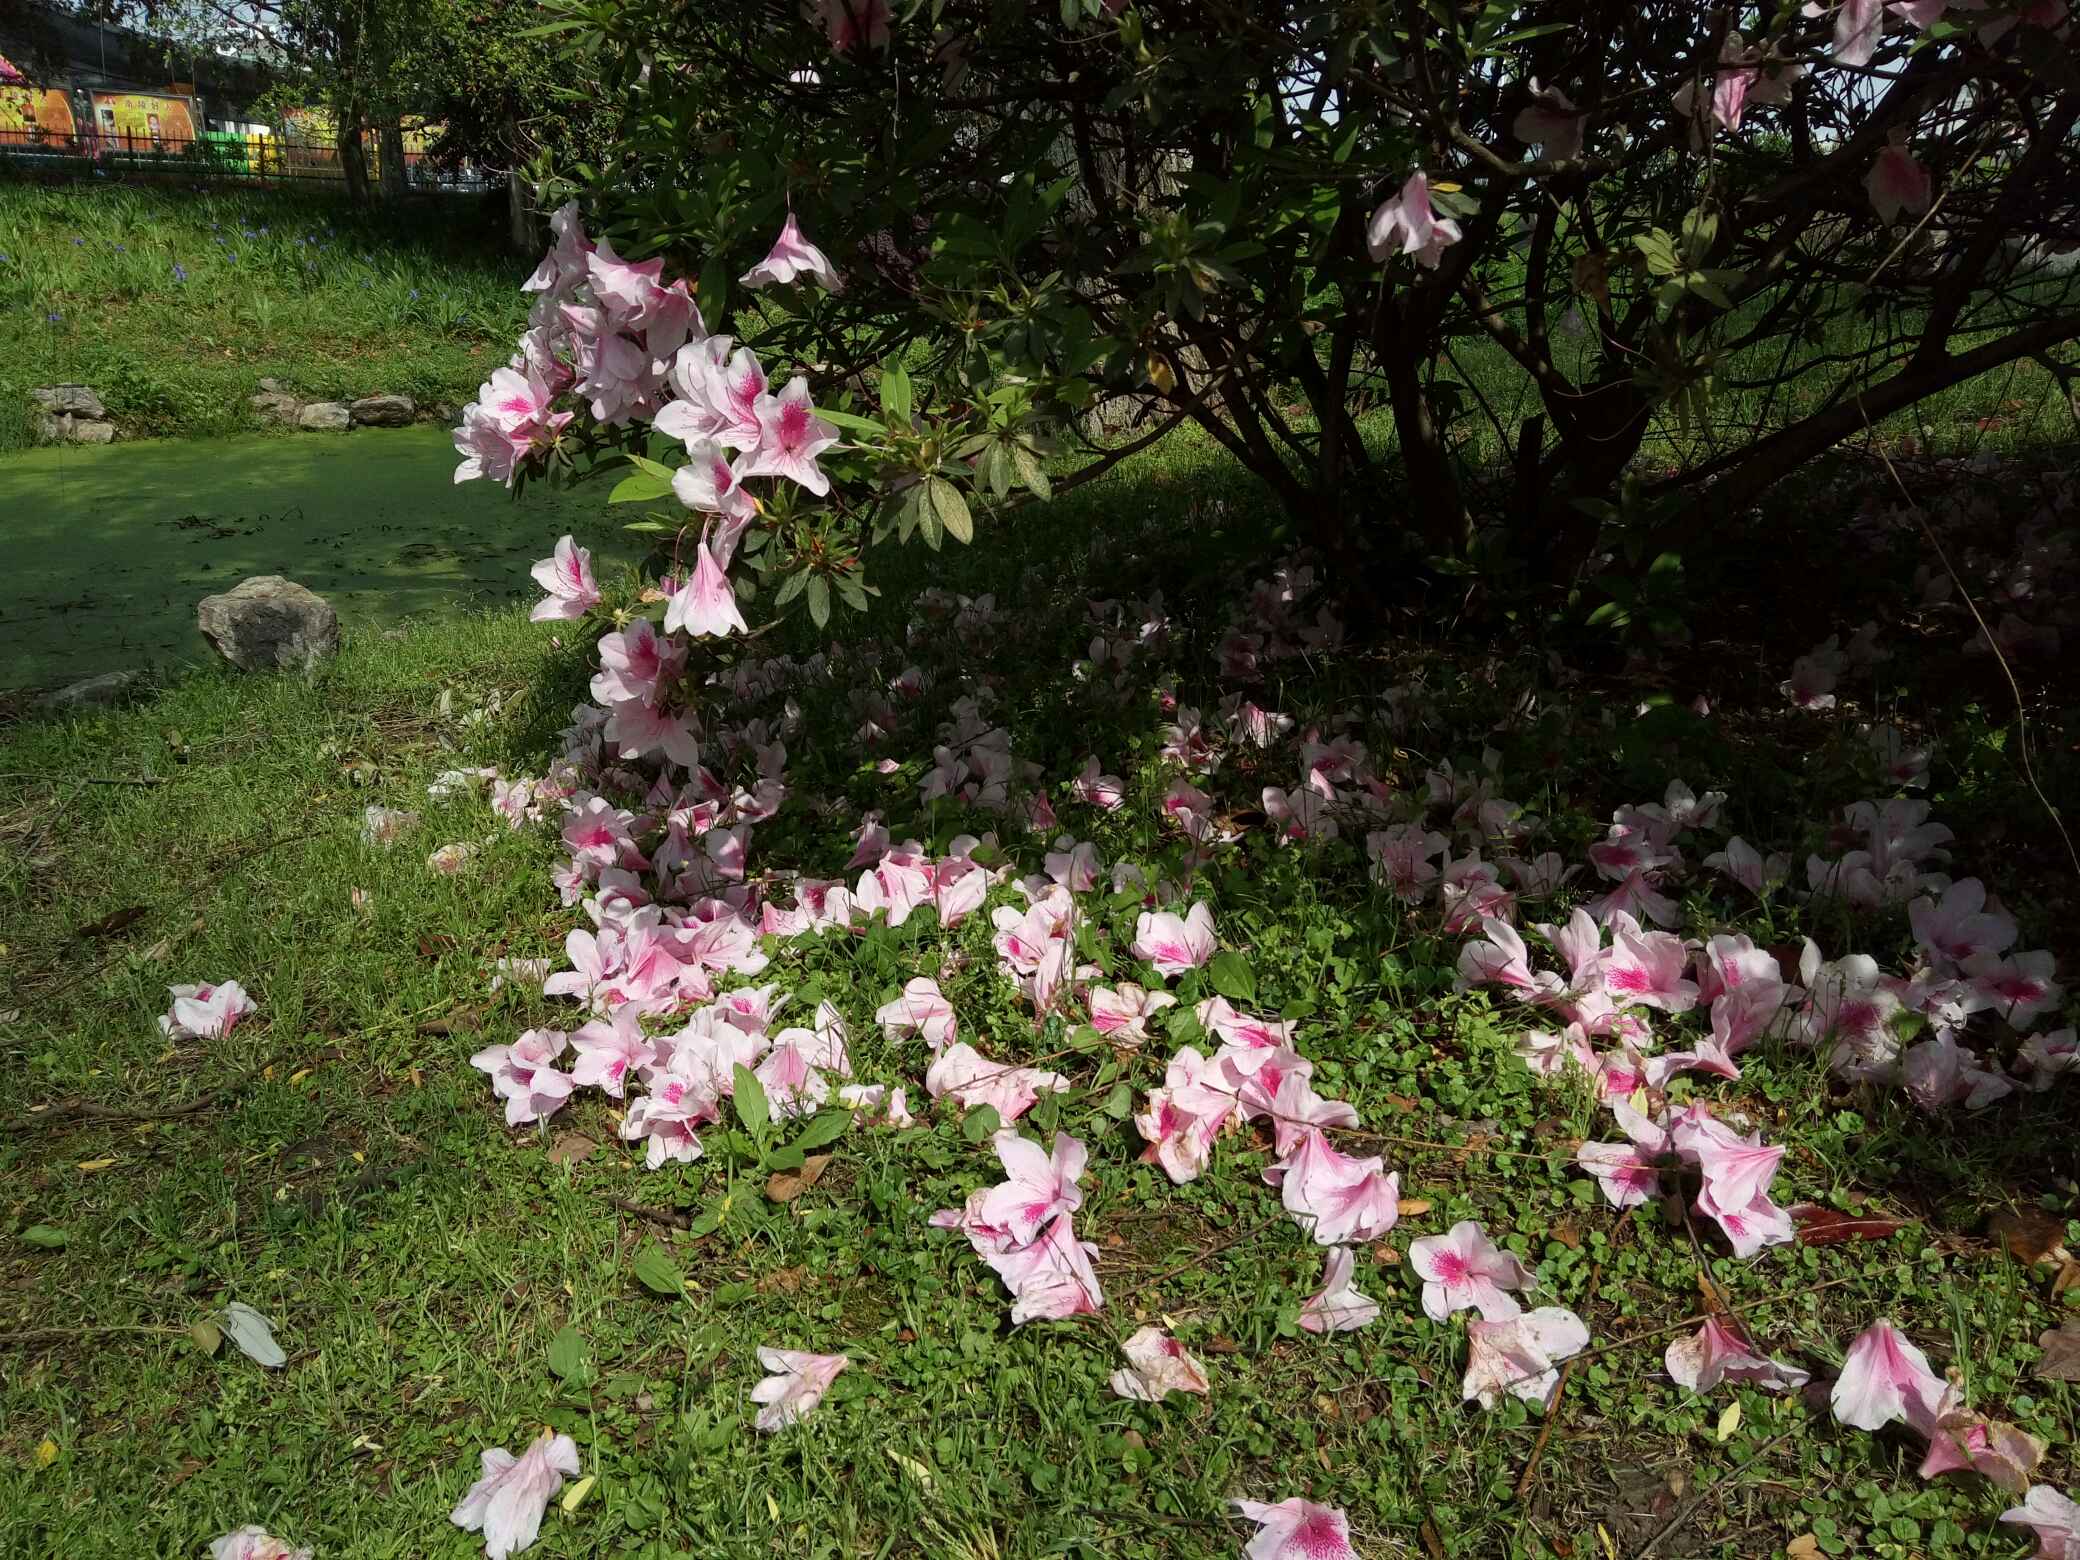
x=877, y=1102
x=790, y=437
x=1521, y=1355
x=2046, y=1056
x=253, y=1543
x=1173, y=944
x=795, y=1386
x=1628, y=1172
x=2019, y=987
x=1100, y=790
x=793, y=1070
x=1121, y=1013
x=1549, y=122
x=525, y=1076
x=1297, y=1529
x=1040, y=1185
x=1745, y=1014
x=790, y=257
x=1218, y=1016
x=1886, y=1378
x=635, y=663
x=712, y=483
x=1405, y=223
x=567, y=577
x=1183, y=1118
x=205, y=1011
x=920, y=1010
x=1342, y=1200
x=1857, y=24
x=1939, y=1072
x=972, y=1079
x=507, y=1503
x=850, y=23
x=1645, y=969
x=1717, y=1352
x=1464, y=1268
x=1502, y=960
x=1050, y=1278
x=2054, y=1520
x=608, y=1052
x=707, y=604
x=1338, y=1306
x=1747, y=867
x=1157, y=1365
x=1897, y=183
x=1962, y=1442
x=1403, y=859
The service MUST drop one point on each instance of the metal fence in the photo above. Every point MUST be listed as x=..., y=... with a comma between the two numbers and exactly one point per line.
x=212, y=156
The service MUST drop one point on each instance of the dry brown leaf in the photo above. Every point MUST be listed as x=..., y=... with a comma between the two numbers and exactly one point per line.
x=571, y=1148
x=783, y=1281
x=1220, y=1343
x=1804, y=1547
x=1413, y=1208
x=2029, y=1234
x=1568, y=1236
x=790, y=1184
x=2068, y=1277
x=2061, y=1346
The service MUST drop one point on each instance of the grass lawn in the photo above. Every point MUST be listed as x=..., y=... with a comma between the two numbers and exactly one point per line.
x=173, y=303
x=113, y=546
x=443, y=1284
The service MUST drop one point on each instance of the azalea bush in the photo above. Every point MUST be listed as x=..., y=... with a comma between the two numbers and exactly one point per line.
x=1067, y=228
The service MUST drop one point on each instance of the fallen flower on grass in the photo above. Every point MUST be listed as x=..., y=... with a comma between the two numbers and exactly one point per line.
x=1040, y=1184
x=1464, y=1268
x=382, y=827
x=205, y=1012
x=1963, y=1442
x=507, y=1503
x=1521, y=1356
x=796, y=1386
x=1157, y=1365
x=877, y=1103
x=921, y=1010
x=253, y=1543
x=1341, y=1200
x=525, y=1076
x=1122, y=1012
x=973, y=1079
x=1173, y=943
x=1051, y=1277
x=451, y=859
x=1717, y=1352
x=2053, y=1518
x=1886, y=1378
x=1338, y=1306
x=1297, y=1529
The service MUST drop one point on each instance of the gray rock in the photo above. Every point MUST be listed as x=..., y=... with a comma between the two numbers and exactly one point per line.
x=268, y=621
x=383, y=411
x=277, y=406
x=76, y=399
x=64, y=428
x=325, y=417
x=273, y=387
x=108, y=688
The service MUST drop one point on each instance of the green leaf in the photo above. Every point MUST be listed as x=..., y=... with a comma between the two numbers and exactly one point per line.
x=819, y=600
x=827, y=1127
x=895, y=392
x=568, y=1357
x=981, y=1122
x=750, y=1097
x=657, y=1272
x=642, y=488
x=851, y=422
x=651, y=468
x=951, y=509
x=1119, y=1104
x=46, y=1236
x=709, y=1219
x=1031, y=472
x=1232, y=977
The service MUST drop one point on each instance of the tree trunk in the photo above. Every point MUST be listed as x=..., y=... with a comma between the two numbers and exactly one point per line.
x=351, y=166
x=520, y=225
x=1439, y=509
x=390, y=141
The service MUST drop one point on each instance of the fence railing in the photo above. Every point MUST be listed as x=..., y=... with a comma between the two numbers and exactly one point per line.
x=227, y=157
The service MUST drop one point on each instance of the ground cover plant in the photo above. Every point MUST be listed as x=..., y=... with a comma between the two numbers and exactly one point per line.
x=443, y=1283
x=174, y=304
x=128, y=537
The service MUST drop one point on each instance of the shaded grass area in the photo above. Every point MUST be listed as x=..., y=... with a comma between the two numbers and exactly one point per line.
x=113, y=546
x=173, y=304
x=422, y=1261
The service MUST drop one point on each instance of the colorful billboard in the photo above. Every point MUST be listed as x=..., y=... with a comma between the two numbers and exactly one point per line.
x=143, y=119
x=31, y=116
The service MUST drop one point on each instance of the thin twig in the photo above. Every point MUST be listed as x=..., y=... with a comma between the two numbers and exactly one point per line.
x=91, y=1110
x=667, y=1216
x=38, y=1335
x=1689, y=1508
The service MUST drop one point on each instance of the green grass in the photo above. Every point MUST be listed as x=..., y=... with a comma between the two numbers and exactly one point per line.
x=115, y=545
x=334, y=303
x=419, y=1259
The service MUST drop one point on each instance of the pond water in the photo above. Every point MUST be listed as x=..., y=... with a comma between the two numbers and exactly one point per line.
x=108, y=549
